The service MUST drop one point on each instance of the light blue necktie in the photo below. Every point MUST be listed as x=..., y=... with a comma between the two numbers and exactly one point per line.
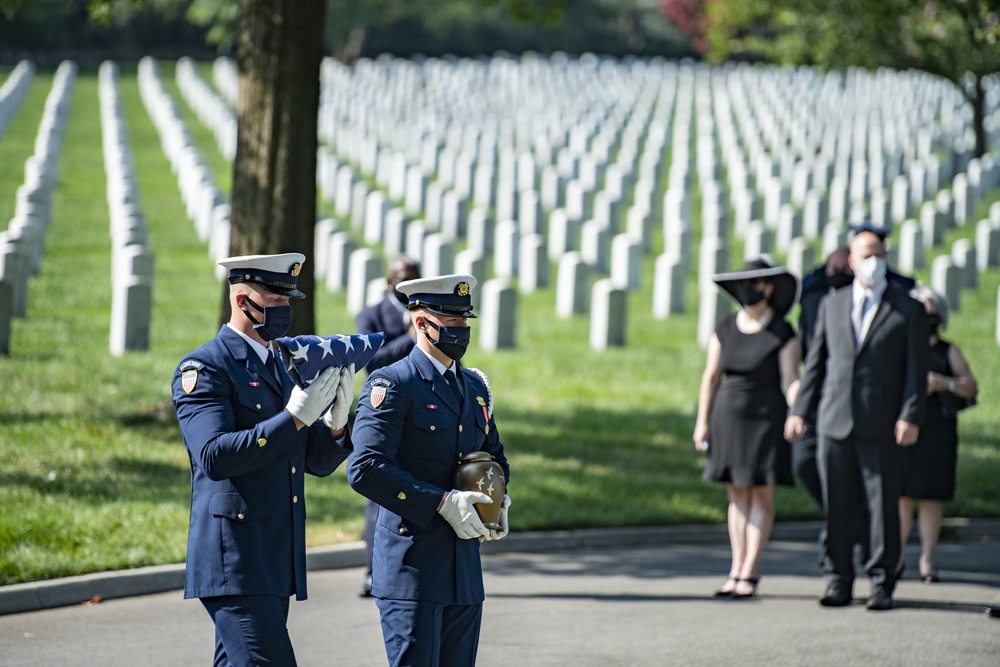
x=859, y=318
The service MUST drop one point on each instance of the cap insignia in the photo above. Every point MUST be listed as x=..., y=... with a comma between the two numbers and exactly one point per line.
x=462, y=289
x=296, y=268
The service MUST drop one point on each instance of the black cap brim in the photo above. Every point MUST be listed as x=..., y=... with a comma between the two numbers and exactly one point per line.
x=444, y=311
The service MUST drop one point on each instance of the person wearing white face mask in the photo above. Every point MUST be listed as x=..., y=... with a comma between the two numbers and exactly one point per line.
x=865, y=376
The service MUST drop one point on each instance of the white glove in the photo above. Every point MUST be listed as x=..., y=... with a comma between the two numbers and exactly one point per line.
x=308, y=404
x=336, y=417
x=502, y=533
x=459, y=510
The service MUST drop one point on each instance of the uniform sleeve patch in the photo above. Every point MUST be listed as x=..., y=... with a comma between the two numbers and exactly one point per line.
x=189, y=364
x=380, y=386
x=189, y=379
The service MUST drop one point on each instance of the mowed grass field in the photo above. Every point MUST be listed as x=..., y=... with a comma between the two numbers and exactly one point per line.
x=93, y=471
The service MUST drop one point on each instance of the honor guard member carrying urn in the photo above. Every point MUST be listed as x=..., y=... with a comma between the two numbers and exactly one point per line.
x=251, y=435
x=410, y=430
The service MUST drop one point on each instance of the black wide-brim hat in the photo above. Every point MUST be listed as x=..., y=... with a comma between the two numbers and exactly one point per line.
x=786, y=285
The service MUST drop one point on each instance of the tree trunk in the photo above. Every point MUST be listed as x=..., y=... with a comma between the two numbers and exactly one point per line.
x=279, y=52
x=979, y=117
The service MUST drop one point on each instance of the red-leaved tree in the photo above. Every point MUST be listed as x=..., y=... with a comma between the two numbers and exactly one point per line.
x=690, y=18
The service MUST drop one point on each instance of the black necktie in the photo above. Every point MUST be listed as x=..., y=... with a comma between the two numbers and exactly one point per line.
x=449, y=376
x=272, y=367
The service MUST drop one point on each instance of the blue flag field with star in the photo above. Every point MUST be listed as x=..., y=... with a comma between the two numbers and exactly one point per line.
x=305, y=357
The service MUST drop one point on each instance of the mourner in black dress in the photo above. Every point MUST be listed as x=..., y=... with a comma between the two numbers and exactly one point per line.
x=930, y=465
x=742, y=408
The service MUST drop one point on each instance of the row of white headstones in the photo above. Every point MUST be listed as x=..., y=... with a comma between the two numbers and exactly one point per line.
x=533, y=160
x=22, y=243
x=560, y=153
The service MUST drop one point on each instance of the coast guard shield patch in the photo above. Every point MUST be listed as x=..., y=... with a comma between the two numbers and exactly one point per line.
x=189, y=379
x=377, y=396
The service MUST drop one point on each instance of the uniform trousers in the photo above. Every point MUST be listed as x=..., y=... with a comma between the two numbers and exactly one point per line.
x=427, y=634
x=852, y=470
x=250, y=630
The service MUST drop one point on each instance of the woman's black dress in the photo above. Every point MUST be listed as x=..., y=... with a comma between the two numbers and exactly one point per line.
x=929, y=472
x=746, y=424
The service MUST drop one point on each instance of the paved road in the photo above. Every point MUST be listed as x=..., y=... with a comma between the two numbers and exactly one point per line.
x=589, y=607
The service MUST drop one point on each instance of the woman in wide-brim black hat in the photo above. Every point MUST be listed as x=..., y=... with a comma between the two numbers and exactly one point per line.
x=742, y=408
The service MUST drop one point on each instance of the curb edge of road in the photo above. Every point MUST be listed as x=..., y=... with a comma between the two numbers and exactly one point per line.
x=83, y=589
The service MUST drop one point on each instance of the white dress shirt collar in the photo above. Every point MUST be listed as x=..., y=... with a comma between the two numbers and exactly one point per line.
x=261, y=350
x=441, y=368
x=859, y=292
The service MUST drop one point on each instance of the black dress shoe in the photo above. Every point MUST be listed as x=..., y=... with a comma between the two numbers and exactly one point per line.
x=836, y=595
x=879, y=601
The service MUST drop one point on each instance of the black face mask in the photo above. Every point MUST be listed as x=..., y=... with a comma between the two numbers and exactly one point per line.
x=749, y=295
x=838, y=280
x=934, y=323
x=453, y=341
x=277, y=319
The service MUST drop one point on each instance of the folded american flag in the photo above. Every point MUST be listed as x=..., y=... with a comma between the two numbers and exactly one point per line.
x=305, y=357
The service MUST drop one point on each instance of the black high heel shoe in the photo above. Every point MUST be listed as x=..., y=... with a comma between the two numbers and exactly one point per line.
x=722, y=593
x=753, y=592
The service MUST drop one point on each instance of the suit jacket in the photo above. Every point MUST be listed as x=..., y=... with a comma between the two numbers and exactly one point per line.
x=865, y=389
x=247, y=530
x=384, y=316
x=408, y=435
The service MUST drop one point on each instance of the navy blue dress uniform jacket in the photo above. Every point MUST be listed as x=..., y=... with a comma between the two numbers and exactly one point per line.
x=408, y=435
x=247, y=528
x=386, y=317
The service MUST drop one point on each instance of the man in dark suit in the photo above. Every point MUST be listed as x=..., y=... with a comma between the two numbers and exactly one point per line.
x=865, y=376
x=816, y=286
x=251, y=435
x=391, y=318
x=414, y=420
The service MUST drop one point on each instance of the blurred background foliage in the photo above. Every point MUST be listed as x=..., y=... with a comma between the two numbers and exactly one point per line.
x=123, y=29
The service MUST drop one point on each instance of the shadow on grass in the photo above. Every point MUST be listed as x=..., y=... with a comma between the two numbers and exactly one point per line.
x=160, y=421
x=22, y=418
x=134, y=472
x=122, y=479
x=591, y=467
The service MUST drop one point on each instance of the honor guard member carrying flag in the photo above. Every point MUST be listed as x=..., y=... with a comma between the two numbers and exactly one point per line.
x=251, y=435
x=412, y=426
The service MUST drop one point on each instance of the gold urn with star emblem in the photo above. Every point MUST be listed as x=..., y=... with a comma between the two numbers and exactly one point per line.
x=477, y=471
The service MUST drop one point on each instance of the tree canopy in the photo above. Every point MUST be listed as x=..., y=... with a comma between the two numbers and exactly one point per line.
x=958, y=40
x=126, y=28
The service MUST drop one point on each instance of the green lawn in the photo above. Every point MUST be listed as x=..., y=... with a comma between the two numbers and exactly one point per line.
x=94, y=475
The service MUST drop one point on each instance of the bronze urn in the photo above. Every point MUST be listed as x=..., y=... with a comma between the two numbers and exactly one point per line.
x=477, y=471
